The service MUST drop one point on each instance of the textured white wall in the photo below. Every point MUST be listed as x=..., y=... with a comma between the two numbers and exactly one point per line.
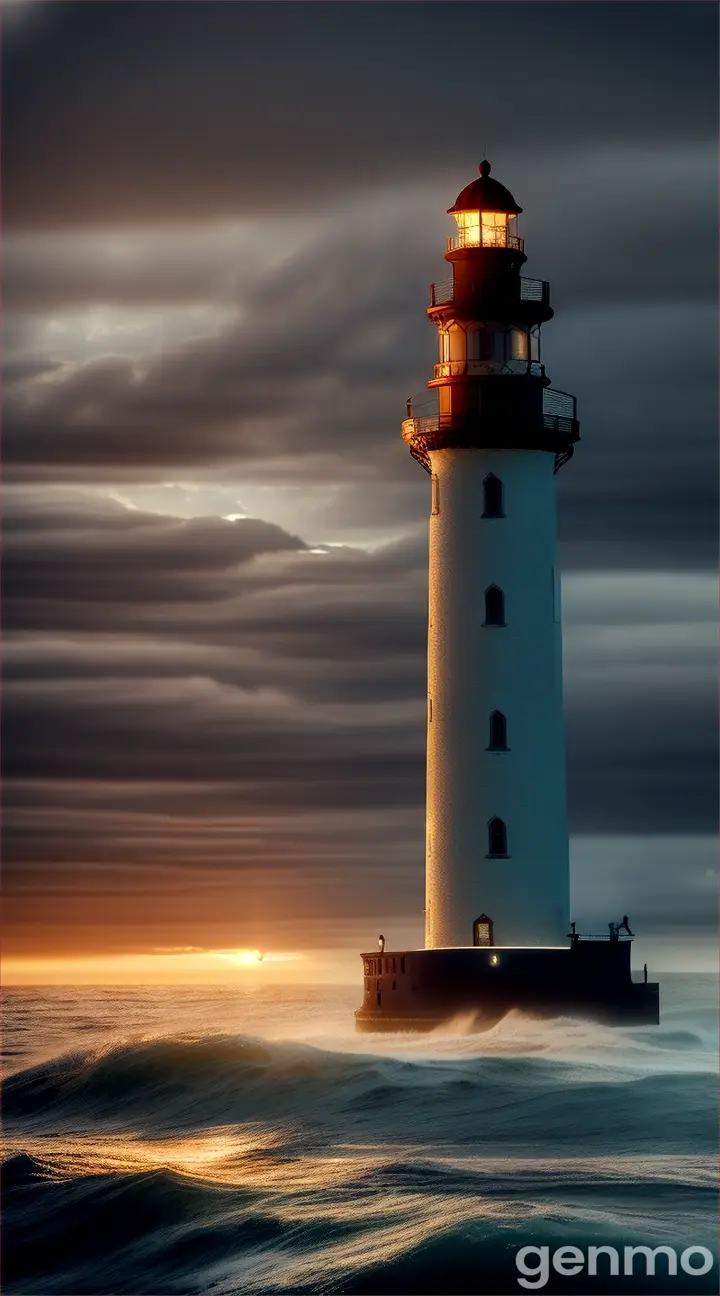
x=473, y=670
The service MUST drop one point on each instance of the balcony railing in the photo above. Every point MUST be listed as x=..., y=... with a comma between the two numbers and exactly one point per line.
x=559, y=414
x=441, y=292
x=531, y=290
x=599, y=936
x=469, y=238
x=559, y=404
x=534, y=290
x=479, y=368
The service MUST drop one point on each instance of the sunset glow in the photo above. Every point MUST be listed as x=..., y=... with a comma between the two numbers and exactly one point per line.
x=181, y=967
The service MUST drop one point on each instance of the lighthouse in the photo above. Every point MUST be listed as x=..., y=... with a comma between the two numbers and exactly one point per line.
x=496, y=842
x=492, y=433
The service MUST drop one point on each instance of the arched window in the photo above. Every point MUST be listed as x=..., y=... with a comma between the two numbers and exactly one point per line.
x=497, y=839
x=492, y=497
x=483, y=930
x=494, y=606
x=498, y=732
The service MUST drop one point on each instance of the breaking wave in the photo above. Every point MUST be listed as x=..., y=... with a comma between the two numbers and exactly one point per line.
x=232, y=1163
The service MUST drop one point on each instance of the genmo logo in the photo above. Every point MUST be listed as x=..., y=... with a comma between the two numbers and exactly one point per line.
x=535, y=1262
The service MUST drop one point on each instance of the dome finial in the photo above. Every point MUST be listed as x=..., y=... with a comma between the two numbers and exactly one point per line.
x=484, y=168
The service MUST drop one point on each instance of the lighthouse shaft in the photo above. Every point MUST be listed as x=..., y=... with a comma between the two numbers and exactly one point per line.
x=496, y=840
x=496, y=824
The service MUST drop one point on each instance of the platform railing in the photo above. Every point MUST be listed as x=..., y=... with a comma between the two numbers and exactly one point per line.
x=559, y=410
x=531, y=290
x=480, y=368
x=469, y=239
x=559, y=403
x=599, y=936
x=441, y=292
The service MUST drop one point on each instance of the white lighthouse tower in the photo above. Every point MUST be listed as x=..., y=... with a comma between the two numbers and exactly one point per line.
x=497, y=930
x=496, y=843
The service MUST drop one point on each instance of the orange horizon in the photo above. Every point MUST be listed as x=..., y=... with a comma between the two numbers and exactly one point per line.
x=187, y=966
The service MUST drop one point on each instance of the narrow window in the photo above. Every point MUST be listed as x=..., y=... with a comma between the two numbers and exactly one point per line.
x=499, y=348
x=429, y=710
x=479, y=344
x=494, y=606
x=519, y=344
x=498, y=732
x=497, y=839
x=493, y=497
x=402, y=964
x=444, y=340
x=456, y=338
x=435, y=493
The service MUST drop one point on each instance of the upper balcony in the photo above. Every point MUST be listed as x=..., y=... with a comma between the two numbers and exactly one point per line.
x=531, y=290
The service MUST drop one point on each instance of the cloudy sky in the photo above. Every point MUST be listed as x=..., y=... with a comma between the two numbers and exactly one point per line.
x=221, y=220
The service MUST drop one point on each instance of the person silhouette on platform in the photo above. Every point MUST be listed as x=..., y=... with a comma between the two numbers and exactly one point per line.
x=381, y=944
x=625, y=924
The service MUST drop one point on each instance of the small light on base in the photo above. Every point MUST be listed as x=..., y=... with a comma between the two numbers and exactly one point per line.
x=494, y=960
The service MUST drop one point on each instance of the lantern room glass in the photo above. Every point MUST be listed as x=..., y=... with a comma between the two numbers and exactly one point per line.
x=485, y=229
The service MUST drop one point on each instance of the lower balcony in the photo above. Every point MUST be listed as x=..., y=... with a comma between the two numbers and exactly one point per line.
x=553, y=426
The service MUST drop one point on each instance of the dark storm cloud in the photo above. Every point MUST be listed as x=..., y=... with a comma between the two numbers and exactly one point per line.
x=617, y=224
x=308, y=387
x=298, y=673
x=328, y=336
x=185, y=110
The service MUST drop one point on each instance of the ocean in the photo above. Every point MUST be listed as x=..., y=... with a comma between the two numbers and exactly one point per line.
x=245, y=1140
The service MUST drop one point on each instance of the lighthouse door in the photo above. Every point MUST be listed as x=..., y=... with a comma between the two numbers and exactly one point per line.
x=483, y=931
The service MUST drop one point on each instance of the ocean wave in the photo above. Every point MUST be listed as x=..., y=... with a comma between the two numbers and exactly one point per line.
x=186, y=1083
x=397, y=1227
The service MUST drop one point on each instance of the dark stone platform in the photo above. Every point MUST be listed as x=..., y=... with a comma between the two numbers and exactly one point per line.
x=417, y=990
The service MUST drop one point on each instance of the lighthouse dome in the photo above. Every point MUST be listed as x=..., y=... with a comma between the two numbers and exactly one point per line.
x=485, y=195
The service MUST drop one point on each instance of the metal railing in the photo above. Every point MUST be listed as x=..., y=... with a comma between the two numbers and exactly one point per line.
x=535, y=290
x=531, y=290
x=468, y=238
x=559, y=403
x=478, y=368
x=441, y=292
x=559, y=414
x=599, y=936
x=412, y=427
